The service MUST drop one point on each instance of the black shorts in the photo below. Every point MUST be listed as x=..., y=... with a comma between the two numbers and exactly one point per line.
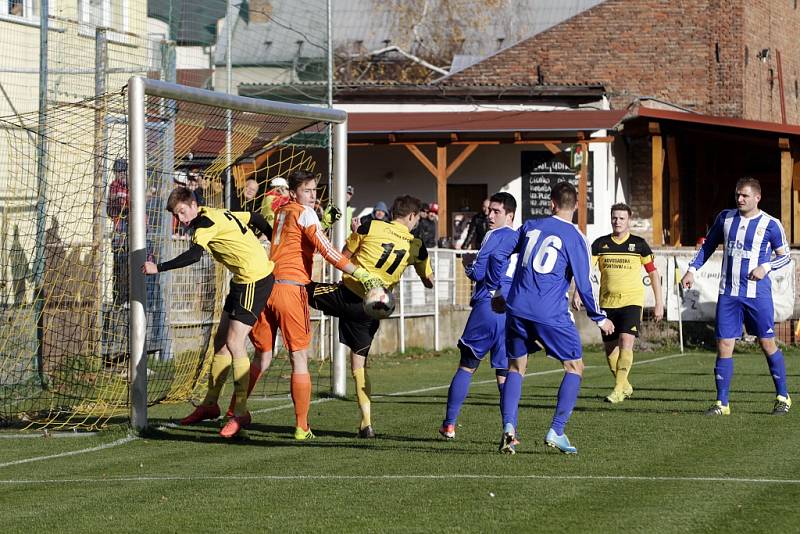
x=356, y=328
x=627, y=320
x=245, y=301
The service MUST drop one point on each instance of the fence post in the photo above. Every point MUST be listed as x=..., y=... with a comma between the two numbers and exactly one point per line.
x=436, y=299
x=402, y=325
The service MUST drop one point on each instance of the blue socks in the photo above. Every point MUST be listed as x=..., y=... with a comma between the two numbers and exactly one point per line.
x=567, y=397
x=509, y=399
x=777, y=368
x=723, y=372
x=459, y=388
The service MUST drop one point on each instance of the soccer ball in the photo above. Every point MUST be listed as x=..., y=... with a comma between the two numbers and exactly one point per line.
x=379, y=303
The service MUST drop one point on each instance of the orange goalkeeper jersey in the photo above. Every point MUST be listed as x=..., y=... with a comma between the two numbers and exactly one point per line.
x=296, y=235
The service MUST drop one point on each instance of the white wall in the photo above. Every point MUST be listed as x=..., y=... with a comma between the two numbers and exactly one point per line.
x=385, y=172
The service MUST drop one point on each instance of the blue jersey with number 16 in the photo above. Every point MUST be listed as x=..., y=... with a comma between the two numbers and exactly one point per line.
x=552, y=251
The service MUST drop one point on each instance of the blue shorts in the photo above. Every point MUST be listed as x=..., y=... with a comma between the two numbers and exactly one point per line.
x=524, y=337
x=485, y=331
x=756, y=314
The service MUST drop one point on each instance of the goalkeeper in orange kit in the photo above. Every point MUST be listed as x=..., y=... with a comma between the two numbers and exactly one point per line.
x=296, y=235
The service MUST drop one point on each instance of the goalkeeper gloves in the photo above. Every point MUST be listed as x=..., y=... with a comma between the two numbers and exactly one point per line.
x=330, y=216
x=366, y=279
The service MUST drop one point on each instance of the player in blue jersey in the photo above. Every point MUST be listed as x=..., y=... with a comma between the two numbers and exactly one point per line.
x=749, y=237
x=552, y=252
x=485, y=328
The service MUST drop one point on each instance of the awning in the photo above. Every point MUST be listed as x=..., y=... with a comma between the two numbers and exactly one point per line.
x=510, y=126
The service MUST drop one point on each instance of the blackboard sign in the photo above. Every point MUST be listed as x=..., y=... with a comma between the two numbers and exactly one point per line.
x=543, y=170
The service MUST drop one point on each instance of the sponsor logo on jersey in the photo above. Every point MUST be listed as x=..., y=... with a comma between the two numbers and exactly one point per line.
x=605, y=245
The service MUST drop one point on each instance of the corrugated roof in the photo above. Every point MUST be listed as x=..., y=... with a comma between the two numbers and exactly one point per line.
x=367, y=25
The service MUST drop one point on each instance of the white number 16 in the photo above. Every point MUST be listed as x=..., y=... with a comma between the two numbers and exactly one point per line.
x=546, y=256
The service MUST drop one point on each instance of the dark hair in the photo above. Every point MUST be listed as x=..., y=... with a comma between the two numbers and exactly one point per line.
x=120, y=165
x=564, y=195
x=749, y=181
x=621, y=206
x=179, y=195
x=405, y=205
x=298, y=178
x=506, y=199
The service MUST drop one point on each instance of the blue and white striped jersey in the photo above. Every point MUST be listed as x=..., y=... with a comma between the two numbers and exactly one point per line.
x=488, y=271
x=552, y=251
x=747, y=243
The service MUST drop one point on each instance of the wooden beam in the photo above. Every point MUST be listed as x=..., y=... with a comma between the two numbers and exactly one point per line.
x=657, y=174
x=462, y=157
x=787, y=171
x=414, y=149
x=553, y=148
x=583, y=200
x=441, y=188
x=674, y=192
x=607, y=139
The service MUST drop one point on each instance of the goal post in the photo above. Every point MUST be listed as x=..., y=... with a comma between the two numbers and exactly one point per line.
x=301, y=117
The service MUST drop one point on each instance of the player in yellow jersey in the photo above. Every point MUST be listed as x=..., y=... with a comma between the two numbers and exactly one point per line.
x=384, y=249
x=620, y=257
x=229, y=238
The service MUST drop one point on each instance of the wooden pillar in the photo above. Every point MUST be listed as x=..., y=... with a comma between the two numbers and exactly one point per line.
x=658, y=184
x=787, y=169
x=674, y=192
x=583, y=200
x=442, y=171
x=441, y=188
x=795, y=198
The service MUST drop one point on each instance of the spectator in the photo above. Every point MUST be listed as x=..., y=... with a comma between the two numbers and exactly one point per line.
x=478, y=227
x=250, y=193
x=426, y=228
x=379, y=213
x=117, y=209
x=193, y=183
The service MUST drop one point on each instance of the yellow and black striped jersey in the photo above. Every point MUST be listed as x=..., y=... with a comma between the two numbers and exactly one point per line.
x=385, y=249
x=226, y=236
x=620, y=264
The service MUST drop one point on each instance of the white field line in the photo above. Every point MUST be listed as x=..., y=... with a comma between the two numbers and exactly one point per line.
x=48, y=435
x=297, y=478
x=104, y=446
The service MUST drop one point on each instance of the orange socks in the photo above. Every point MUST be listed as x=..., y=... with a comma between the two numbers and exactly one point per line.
x=301, y=397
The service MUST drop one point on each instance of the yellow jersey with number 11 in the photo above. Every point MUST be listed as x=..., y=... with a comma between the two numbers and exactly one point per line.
x=385, y=250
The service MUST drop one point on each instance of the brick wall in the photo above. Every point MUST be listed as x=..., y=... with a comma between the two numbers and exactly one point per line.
x=773, y=25
x=699, y=54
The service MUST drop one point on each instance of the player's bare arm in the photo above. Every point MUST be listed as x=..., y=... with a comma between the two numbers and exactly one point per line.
x=655, y=284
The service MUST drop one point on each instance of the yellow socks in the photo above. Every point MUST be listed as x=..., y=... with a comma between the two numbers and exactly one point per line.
x=301, y=397
x=612, y=361
x=220, y=365
x=624, y=364
x=241, y=379
x=363, y=390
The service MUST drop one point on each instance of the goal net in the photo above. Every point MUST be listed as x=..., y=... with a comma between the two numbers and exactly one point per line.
x=76, y=225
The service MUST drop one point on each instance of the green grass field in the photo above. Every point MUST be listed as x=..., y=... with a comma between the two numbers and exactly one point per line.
x=651, y=464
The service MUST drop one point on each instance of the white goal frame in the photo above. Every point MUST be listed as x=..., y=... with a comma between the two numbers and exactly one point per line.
x=138, y=89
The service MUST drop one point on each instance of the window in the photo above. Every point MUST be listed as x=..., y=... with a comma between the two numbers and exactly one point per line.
x=112, y=14
x=25, y=9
